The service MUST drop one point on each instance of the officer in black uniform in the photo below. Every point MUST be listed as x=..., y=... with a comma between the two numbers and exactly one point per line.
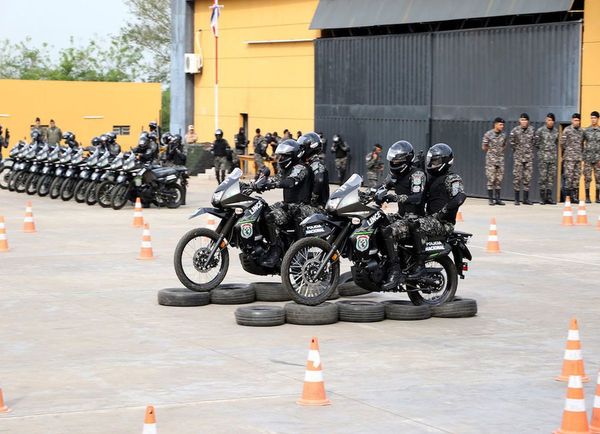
x=295, y=178
x=112, y=146
x=175, y=153
x=341, y=151
x=312, y=153
x=220, y=150
x=405, y=185
x=147, y=148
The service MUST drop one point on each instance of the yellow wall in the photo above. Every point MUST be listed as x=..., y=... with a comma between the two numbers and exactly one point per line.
x=67, y=102
x=273, y=83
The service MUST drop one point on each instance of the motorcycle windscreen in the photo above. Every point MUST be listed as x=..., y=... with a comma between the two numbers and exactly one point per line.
x=346, y=195
x=228, y=188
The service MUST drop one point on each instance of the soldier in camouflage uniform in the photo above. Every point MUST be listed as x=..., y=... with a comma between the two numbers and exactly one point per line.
x=521, y=142
x=341, y=151
x=494, y=145
x=571, y=142
x=591, y=156
x=374, y=166
x=546, y=143
x=260, y=151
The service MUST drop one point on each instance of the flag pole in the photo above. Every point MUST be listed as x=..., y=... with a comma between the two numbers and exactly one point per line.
x=216, y=82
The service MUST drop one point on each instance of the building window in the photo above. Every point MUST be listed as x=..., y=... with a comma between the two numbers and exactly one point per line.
x=121, y=130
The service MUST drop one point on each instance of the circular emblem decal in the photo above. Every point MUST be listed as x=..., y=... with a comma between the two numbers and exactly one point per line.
x=246, y=230
x=362, y=243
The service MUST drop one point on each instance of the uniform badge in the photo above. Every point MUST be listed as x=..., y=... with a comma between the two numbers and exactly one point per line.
x=362, y=243
x=246, y=230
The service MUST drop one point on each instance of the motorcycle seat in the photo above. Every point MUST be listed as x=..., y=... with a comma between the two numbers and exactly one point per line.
x=164, y=171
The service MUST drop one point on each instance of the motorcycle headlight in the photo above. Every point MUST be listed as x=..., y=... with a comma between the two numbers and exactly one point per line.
x=332, y=204
x=216, y=199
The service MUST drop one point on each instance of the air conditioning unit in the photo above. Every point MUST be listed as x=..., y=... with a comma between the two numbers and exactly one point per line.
x=193, y=63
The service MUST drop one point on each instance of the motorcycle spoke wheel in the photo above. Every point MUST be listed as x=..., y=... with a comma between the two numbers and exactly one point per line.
x=438, y=284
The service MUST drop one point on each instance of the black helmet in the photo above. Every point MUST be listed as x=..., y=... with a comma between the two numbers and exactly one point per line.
x=400, y=155
x=35, y=135
x=176, y=138
x=288, y=152
x=219, y=133
x=112, y=137
x=153, y=125
x=143, y=140
x=166, y=138
x=439, y=159
x=68, y=136
x=311, y=143
x=103, y=139
x=337, y=138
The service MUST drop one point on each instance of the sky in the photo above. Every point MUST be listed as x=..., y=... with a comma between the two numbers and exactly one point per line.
x=55, y=21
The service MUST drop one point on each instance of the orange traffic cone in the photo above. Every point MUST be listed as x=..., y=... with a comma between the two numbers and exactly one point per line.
x=28, y=223
x=567, y=219
x=595, y=422
x=573, y=361
x=574, y=419
x=493, y=246
x=149, y=421
x=314, y=387
x=3, y=407
x=459, y=217
x=582, y=219
x=138, y=219
x=3, y=240
x=146, y=249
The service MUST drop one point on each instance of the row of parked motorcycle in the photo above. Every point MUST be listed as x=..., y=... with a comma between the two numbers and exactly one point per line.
x=92, y=175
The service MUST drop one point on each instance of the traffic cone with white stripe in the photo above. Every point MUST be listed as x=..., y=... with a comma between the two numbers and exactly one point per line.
x=493, y=246
x=149, y=421
x=573, y=362
x=3, y=407
x=28, y=223
x=138, y=219
x=595, y=422
x=574, y=419
x=3, y=239
x=567, y=219
x=314, y=387
x=582, y=219
x=146, y=249
x=459, y=217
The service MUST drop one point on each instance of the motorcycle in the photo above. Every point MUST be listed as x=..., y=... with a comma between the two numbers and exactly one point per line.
x=85, y=174
x=8, y=165
x=60, y=172
x=157, y=185
x=201, y=257
x=96, y=177
x=35, y=170
x=107, y=180
x=352, y=229
x=20, y=172
x=67, y=189
x=48, y=171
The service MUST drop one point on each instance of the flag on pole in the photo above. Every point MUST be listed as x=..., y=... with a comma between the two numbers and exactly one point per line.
x=214, y=18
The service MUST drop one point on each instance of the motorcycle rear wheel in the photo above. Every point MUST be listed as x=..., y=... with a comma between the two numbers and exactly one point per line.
x=299, y=267
x=446, y=286
x=119, y=196
x=4, y=177
x=103, y=193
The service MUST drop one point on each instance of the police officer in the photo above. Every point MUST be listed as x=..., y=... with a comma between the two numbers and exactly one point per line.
x=112, y=146
x=147, y=148
x=320, y=185
x=175, y=153
x=53, y=133
x=521, y=142
x=154, y=131
x=3, y=140
x=341, y=151
x=240, y=144
x=407, y=184
x=260, y=151
x=494, y=145
x=70, y=141
x=219, y=149
x=571, y=142
x=374, y=165
x=295, y=178
x=591, y=156
x=546, y=144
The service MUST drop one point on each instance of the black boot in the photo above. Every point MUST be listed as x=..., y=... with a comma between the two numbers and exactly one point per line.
x=498, y=200
x=526, y=200
x=395, y=276
x=587, y=196
x=543, y=197
x=275, y=252
x=419, y=269
x=575, y=195
x=549, y=198
x=491, y=197
x=218, y=175
x=517, y=199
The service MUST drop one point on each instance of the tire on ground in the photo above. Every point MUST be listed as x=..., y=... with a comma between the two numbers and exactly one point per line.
x=345, y=277
x=270, y=291
x=182, y=297
x=461, y=308
x=361, y=311
x=260, y=316
x=232, y=293
x=324, y=313
x=404, y=310
x=350, y=289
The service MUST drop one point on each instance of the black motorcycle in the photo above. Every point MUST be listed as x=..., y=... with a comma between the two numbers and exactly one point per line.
x=8, y=164
x=108, y=179
x=48, y=171
x=20, y=172
x=352, y=229
x=81, y=188
x=67, y=189
x=35, y=170
x=102, y=166
x=60, y=172
x=202, y=256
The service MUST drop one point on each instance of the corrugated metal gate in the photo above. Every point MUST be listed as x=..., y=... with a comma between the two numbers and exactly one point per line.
x=445, y=86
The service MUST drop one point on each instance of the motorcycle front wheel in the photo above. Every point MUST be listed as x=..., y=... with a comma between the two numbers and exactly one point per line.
x=191, y=260
x=437, y=286
x=43, y=185
x=299, y=268
x=21, y=182
x=67, y=189
x=4, y=177
x=171, y=196
x=81, y=190
x=119, y=196
x=31, y=183
x=55, y=187
x=103, y=193
x=91, y=196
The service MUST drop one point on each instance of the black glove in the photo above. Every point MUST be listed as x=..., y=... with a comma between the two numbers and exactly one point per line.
x=440, y=214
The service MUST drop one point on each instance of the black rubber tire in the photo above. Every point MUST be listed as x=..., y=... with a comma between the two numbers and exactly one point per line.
x=260, y=316
x=345, y=277
x=179, y=249
x=325, y=313
x=462, y=308
x=361, y=311
x=4, y=177
x=103, y=193
x=270, y=291
x=31, y=183
x=12, y=178
x=232, y=293
x=351, y=289
x=119, y=196
x=21, y=181
x=55, y=187
x=176, y=203
x=404, y=310
x=334, y=295
x=81, y=190
x=43, y=185
x=67, y=189
x=451, y=284
x=90, y=194
x=182, y=297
